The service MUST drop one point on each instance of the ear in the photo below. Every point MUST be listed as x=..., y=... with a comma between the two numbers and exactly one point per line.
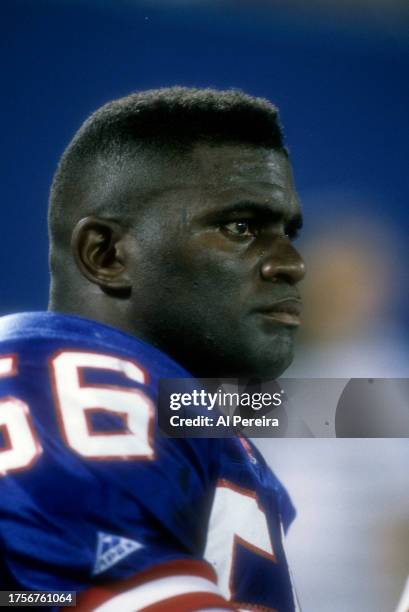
x=99, y=249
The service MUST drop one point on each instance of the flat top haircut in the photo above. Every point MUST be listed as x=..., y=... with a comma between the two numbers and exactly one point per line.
x=167, y=122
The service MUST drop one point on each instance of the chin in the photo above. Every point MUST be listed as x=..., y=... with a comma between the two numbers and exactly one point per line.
x=264, y=352
x=263, y=367
x=271, y=365
x=250, y=356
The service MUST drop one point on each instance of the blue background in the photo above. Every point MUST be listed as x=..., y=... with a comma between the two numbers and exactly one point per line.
x=341, y=82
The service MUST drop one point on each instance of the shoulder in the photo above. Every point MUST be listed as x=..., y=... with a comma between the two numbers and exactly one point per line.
x=255, y=475
x=50, y=332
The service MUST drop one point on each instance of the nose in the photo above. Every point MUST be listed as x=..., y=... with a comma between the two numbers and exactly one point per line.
x=283, y=263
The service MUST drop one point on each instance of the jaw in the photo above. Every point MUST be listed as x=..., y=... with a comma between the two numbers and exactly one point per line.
x=263, y=360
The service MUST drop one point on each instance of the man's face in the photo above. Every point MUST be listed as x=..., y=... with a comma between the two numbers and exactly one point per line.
x=215, y=269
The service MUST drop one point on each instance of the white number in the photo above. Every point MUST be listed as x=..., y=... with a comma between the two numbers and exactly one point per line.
x=77, y=401
x=8, y=366
x=20, y=447
x=75, y=404
x=236, y=518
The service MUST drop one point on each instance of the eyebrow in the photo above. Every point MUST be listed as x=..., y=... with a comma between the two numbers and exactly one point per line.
x=270, y=212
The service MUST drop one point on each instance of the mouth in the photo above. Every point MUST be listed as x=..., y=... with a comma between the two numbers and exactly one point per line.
x=286, y=311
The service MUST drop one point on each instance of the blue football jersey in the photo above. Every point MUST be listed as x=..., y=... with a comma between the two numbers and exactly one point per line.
x=94, y=499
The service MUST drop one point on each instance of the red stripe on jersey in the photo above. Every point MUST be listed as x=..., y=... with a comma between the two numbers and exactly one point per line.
x=96, y=596
x=191, y=602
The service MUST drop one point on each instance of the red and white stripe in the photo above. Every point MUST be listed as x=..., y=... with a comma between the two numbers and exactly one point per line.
x=177, y=586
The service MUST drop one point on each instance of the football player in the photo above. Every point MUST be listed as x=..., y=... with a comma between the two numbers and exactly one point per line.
x=172, y=218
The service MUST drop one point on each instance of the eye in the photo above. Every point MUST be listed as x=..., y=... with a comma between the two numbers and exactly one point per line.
x=241, y=228
x=292, y=233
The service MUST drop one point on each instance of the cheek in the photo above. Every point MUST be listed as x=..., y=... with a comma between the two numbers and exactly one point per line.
x=215, y=277
x=212, y=260
x=202, y=272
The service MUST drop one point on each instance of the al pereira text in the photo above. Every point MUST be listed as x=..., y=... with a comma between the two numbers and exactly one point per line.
x=222, y=421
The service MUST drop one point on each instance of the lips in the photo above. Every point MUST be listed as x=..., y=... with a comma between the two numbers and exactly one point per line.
x=286, y=311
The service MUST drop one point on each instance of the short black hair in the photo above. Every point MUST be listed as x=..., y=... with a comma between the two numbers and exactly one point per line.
x=172, y=118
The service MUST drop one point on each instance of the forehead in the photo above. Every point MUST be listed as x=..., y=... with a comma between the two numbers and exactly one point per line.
x=234, y=164
x=212, y=176
x=239, y=174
